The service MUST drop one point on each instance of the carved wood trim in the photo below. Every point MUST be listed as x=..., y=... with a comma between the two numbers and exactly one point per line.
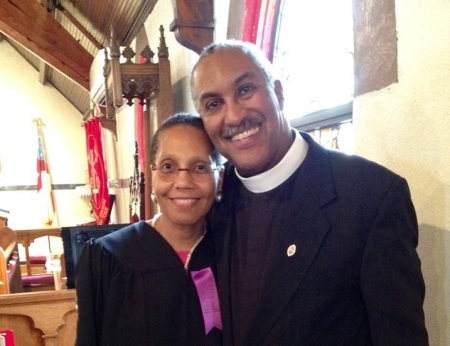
x=194, y=23
x=49, y=316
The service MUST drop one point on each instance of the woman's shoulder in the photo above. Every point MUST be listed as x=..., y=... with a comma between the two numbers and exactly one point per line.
x=125, y=236
x=139, y=246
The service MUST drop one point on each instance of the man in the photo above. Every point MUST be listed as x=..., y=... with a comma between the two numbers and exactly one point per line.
x=314, y=247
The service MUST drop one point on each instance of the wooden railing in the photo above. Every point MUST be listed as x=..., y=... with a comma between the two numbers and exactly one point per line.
x=27, y=236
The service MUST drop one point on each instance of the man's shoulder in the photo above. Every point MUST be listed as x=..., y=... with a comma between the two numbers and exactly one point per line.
x=359, y=165
x=351, y=164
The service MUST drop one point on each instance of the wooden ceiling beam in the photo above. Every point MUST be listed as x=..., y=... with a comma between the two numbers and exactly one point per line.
x=43, y=71
x=30, y=25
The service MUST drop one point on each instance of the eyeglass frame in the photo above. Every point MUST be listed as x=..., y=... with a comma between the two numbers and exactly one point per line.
x=195, y=176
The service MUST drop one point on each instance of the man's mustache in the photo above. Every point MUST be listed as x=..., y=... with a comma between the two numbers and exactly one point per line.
x=245, y=125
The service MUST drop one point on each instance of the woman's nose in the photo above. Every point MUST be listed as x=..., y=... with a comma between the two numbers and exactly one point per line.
x=183, y=178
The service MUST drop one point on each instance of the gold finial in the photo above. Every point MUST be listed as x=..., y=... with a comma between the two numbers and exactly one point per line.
x=38, y=122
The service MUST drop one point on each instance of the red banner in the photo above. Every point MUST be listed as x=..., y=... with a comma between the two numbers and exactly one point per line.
x=260, y=19
x=140, y=128
x=44, y=183
x=97, y=171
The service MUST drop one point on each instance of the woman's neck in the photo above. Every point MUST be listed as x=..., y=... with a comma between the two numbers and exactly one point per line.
x=180, y=237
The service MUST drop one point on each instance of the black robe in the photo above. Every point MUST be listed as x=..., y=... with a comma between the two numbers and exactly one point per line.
x=132, y=289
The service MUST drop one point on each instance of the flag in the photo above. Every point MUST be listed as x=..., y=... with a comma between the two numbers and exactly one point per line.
x=44, y=184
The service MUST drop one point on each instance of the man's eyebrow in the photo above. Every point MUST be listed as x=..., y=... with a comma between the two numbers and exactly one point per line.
x=238, y=81
x=243, y=77
x=207, y=96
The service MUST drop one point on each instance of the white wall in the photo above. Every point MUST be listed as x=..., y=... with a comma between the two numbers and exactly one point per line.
x=407, y=128
x=23, y=98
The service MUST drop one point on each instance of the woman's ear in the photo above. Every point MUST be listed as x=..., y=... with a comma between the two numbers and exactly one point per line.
x=219, y=195
x=221, y=176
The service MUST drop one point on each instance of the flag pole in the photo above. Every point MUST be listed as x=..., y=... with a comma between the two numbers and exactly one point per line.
x=44, y=184
x=39, y=123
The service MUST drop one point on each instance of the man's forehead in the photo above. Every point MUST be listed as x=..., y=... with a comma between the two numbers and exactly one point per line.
x=224, y=56
x=221, y=69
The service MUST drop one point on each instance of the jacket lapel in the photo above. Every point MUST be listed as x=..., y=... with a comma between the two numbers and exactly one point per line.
x=304, y=227
x=301, y=234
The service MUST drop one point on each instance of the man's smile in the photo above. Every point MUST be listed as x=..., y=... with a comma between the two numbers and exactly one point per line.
x=245, y=134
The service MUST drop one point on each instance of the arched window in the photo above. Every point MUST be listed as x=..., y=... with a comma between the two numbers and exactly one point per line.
x=313, y=53
x=327, y=52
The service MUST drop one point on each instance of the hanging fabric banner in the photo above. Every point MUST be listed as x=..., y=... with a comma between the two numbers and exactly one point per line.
x=267, y=26
x=251, y=20
x=97, y=172
x=140, y=135
x=46, y=204
x=260, y=24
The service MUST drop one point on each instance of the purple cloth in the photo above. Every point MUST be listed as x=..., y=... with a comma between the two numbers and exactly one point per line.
x=209, y=300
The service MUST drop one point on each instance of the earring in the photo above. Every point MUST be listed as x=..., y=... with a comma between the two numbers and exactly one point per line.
x=218, y=197
x=153, y=198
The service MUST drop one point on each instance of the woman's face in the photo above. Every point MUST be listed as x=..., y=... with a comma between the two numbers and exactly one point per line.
x=184, y=197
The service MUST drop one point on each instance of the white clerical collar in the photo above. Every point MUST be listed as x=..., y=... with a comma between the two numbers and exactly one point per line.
x=275, y=176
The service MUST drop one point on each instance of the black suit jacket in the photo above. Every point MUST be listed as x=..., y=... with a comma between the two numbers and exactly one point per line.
x=355, y=277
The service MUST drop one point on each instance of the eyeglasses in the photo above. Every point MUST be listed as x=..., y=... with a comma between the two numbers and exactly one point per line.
x=198, y=171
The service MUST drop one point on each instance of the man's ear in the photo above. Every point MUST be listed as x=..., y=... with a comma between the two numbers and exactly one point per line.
x=278, y=88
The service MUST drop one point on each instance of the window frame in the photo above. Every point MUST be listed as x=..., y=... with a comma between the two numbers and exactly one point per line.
x=320, y=119
x=324, y=118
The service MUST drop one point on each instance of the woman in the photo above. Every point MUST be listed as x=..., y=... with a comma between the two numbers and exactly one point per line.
x=152, y=283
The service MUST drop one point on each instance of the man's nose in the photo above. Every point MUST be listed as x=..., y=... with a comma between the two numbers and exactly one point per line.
x=235, y=112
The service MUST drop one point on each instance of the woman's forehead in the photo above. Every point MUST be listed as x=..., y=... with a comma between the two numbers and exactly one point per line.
x=184, y=142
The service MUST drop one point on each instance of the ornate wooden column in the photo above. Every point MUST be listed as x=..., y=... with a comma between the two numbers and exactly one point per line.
x=150, y=83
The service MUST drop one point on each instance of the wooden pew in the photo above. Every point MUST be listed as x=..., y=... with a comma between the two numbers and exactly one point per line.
x=9, y=266
x=40, y=318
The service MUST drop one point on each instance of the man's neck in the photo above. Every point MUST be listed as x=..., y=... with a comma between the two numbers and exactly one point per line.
x=275, y=176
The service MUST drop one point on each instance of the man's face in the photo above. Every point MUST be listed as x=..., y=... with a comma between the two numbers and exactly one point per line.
x=241, y=111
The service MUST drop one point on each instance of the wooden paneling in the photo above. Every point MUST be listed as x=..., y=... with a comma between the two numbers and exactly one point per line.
x=40, y=318
x=30, y=25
